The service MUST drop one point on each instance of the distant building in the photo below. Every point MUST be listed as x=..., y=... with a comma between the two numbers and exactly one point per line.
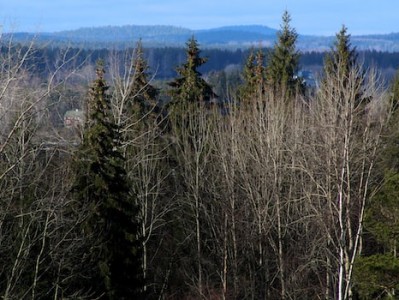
x=74, y=118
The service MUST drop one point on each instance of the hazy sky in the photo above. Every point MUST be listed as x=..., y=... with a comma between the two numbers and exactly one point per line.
x=323, y=17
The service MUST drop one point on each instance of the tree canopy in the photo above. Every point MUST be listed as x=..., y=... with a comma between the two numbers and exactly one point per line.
x=283, y=61
x=189, y=86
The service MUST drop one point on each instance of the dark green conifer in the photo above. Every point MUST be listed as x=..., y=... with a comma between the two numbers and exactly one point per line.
x=260, y=71
x=102, y=185
x=342, y=57
x=248, y=74
x=377, y=272
x=189, y=86
x=341, y=67
x=395, y=92
x=143, y=95
x=254, y=75
x=377, y=269
x=283, y=62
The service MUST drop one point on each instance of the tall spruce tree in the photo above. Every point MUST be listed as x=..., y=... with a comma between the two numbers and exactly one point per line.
x=102, y=185
x=342, y=57
x=248, y=74
x=254, y=76
x=283, y=62
x=142, y=94
x=189, y=86
x=341, y=65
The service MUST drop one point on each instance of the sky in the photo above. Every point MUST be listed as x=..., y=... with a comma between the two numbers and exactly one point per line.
x=316, y=17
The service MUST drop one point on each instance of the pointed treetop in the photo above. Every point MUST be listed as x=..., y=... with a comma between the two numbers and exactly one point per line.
x=100, y=71
x=343, y=56
x=283, y=61
x=142, y=92
x=254, y=77
x=189, y=86
x=287, y=35
x=193, y=54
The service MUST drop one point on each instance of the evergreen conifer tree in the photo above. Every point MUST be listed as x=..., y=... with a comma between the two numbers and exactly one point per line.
x=189, y=86
x=343, y=56
x=102, y=185
x=377, y=269
x=341, y=65
x=395, y=92
x=248, y=75
x=283, y=62
x=254, y=75
x=260, y=71
x=142, y=93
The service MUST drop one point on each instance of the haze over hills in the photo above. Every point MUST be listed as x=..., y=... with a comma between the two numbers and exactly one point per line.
x=223, y=37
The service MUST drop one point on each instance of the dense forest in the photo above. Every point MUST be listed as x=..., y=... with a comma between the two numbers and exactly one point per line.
x=162, y=61
x=228, y=177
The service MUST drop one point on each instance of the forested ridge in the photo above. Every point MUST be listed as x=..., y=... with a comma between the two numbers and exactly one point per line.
x=222, y=183
x=162, y=61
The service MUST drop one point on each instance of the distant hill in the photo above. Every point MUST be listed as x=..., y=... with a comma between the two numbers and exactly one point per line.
x=232, y=37
x=155, y=36
x=128, y=33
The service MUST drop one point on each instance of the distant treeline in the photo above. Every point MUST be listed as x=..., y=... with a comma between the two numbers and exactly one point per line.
x=163, y=61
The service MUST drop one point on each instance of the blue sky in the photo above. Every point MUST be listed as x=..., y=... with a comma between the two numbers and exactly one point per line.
x=321, y=17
